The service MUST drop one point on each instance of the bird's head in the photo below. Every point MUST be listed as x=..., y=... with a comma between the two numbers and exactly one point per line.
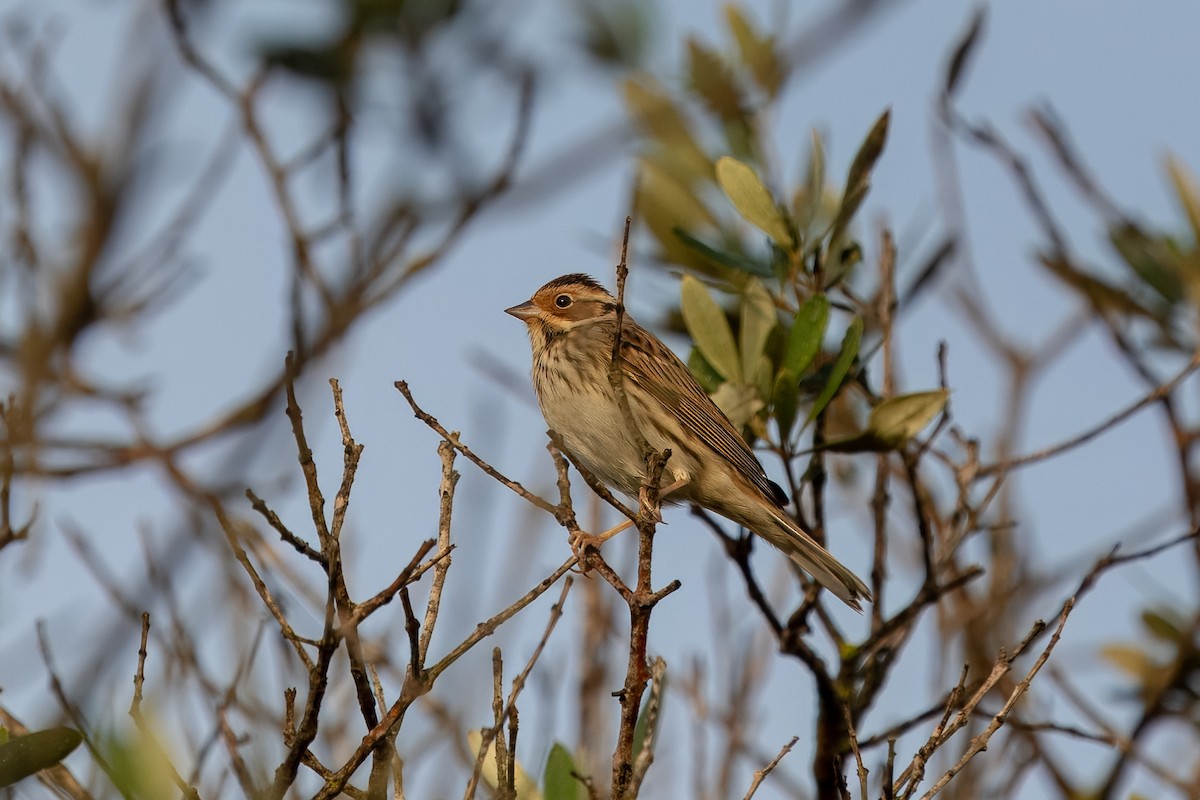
x=565, y=303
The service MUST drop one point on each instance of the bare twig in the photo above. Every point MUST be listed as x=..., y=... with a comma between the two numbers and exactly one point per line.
x=760, y=775
x=979, y=743
x=446, y=508
x=453, y=440
x=1086, y=436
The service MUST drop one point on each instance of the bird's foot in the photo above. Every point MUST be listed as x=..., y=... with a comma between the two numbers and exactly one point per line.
x=581, y=541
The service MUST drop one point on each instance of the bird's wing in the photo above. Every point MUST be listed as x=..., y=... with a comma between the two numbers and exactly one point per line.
x=660, y=373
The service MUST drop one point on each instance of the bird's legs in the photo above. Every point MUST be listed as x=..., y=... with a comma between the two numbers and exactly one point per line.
x=580, y=540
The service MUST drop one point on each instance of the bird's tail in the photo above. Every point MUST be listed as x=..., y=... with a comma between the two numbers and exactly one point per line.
x=815, y=560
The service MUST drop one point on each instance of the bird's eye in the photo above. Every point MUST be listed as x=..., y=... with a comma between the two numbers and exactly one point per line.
x=563, y=300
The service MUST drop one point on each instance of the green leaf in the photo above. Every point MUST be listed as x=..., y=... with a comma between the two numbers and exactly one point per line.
x=557, y=781
x=785, y=401
x=752, y=200
x=23, y=756
x=1161, y=626
x=709, y=329
x=724, y=258
x=841, y=366
x=807, y=334
x=1151, y=258
x=758, y=319
x=756, y=51
x=858, y=179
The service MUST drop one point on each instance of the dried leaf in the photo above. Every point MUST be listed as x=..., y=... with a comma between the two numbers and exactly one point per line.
x=525, y=786
x=1130, y=659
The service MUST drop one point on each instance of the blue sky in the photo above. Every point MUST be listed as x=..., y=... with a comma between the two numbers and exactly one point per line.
x=1120, y=76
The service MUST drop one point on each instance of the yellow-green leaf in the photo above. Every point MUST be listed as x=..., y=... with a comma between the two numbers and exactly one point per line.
x=709, y=328
x=713, y=81
x=756, y=51
x=898, y=419
x=1151, y=258
x=1189, y=194
x=657, y=115
x=845, y=358
x=676, y=200
x=893, y=423
x=758, y=319
x=1161, y=625
x=815, y=180
x=752, y=200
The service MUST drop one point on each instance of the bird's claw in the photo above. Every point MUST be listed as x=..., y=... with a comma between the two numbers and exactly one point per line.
x=650, y=509
x=580, y=542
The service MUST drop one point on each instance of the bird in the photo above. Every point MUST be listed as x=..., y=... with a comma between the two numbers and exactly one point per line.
x=572, y=322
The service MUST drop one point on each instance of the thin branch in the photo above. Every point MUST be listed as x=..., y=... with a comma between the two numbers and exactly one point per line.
x=1151, y=398
x=980, y=742
x=453, y=440
x=445, y=510
x=760, y=775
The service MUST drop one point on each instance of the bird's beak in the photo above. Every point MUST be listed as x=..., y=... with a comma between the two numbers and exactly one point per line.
x=524, y=311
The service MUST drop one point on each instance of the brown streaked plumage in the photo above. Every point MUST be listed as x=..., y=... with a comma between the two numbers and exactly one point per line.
x=571, y=323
